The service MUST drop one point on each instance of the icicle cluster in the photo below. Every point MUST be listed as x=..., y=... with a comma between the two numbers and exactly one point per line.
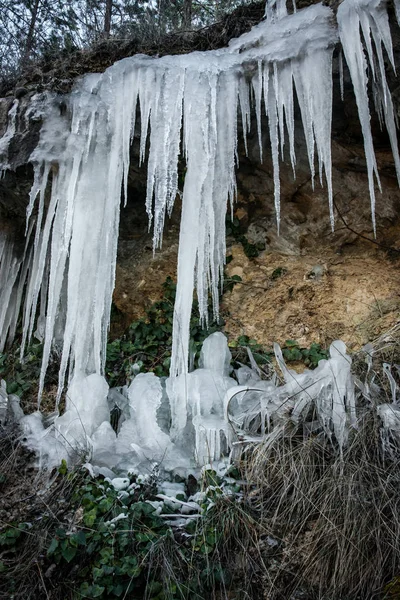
x=367, y=21
x=208, y=410
x=14, y=268
x=188, y=106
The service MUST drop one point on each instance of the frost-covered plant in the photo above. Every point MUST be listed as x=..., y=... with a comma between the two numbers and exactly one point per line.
x=336, y=512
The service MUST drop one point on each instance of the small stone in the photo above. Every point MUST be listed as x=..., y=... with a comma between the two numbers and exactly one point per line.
x=317, y=272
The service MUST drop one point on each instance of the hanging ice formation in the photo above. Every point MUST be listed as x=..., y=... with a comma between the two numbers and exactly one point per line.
x=14, y=267
x=370, y=18
x=8, y=136
x=189, y=105
x=74, y=249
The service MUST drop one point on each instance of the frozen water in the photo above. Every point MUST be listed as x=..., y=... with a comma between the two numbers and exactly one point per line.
x=216, y=410
x=145, y=395
x=103, y=451
x=329, y=389
x=120, y=483
x=189, y=106
x=215, y=354
x=3, y=402
x=86, y=409
x=14, y=269
x=197, y=402
x=367, y=21
x=83, y=153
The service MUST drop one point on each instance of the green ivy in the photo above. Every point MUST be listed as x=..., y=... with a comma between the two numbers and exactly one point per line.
x=116, y=557
x=10, y=536
x=233, y=229
x=21, y=375
x=110, y=552
x=148, y=342
x=292, y=352
x=239, y=350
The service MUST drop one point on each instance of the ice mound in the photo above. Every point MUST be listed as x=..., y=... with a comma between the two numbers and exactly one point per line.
x=210, y=413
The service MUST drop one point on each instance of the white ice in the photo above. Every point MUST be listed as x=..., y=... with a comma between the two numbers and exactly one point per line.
x=365, y=23
x=189, y=106
x=328, y=389
x=14, y=269
x=83, y=153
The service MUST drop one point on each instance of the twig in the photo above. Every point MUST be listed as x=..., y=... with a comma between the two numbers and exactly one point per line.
x=364, y=237
x=42, y=580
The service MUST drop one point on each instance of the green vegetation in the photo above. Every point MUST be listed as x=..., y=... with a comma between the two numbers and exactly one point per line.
x=120, y=544
x=21, y=375
x=148, y=342
x=311, y=356
x=278, y=273
x=233, y=229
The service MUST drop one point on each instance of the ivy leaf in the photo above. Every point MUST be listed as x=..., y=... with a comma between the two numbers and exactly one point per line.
x=90, y=517
x=80, y=538
x=69, y=553
x=53, y=547
x=96, y=590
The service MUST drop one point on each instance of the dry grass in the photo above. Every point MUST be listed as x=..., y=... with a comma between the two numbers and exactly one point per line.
x=337, y=517
x=39, y=501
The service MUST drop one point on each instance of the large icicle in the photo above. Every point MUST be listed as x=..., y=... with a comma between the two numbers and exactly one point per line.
x=210, y=121
x=14, y=268
x=286, y=55
x=80, y=232
x=369, y=18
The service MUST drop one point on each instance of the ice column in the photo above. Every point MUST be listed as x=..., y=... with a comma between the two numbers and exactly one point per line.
x=77, y=235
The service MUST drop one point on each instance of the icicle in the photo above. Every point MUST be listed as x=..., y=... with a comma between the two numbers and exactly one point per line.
x=371, y=18
x=258, y=90
x=341, y=75
x=397, y=10
x=80, y=231
x=10, y=264
x=276, y=10
x=273, y=120
x=210, y=97
x=244, y=102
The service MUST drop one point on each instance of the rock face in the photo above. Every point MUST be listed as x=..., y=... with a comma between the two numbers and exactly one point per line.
x=308, y=283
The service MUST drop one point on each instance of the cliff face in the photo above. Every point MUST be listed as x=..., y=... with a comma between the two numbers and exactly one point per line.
x=307, y=283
